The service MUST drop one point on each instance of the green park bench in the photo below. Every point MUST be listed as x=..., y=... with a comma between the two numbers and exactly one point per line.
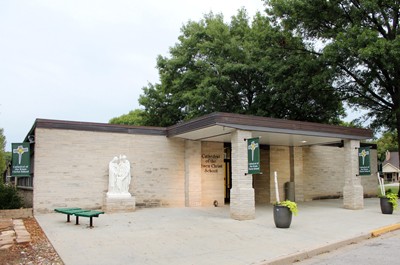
x=79, y=212
x=68, y=211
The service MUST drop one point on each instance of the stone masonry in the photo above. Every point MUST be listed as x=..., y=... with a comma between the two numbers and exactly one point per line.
x=280, y=163
x=193, y=189
x=71, y=168
x=12, y=231
x=242, y=206
x=353, y=195
x=212, y=173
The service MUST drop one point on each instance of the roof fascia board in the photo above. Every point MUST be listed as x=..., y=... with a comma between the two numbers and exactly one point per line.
x=270, y=123
x=290, y=131
x=99, y=127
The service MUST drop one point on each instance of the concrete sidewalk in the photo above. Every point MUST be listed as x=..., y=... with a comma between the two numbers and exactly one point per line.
x=209, y=236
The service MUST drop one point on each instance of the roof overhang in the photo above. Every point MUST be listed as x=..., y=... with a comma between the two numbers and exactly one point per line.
x=219, y=126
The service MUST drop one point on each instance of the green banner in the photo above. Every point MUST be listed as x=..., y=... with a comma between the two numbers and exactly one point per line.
x=364, y=163
x=253, y=156
x=21, y=159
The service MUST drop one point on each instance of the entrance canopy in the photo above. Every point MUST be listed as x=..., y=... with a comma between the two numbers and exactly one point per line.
x=219, y=126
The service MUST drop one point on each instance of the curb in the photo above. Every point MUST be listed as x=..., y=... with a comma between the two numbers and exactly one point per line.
x=385, y=229
x=292, y=258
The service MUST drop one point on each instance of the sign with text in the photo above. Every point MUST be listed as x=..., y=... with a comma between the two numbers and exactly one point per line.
x=21, y=159
x=364, y=163
x=211, y=163
x=253, y=156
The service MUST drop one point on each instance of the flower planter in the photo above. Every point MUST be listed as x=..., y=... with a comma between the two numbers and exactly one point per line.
x=386, y=206
x=282, y=216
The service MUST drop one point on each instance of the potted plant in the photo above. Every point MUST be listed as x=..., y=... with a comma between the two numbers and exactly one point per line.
x=388, y=202
x=388, y=199
x=283, y=212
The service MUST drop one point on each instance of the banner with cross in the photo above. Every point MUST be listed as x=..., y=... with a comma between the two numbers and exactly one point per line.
x=21, y=160
x=253, y=156
x=364, y=163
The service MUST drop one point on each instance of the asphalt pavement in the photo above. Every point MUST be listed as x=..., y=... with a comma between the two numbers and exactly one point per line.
x=380, y=250
x=207, y=235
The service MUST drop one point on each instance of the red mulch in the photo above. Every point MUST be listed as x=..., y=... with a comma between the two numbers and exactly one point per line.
x=38, y=252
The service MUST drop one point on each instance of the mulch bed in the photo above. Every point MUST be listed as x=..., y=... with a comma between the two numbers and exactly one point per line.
x=38, y=252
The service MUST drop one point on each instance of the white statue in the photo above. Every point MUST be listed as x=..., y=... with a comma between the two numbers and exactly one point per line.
x=119, y=177
x=113, y=172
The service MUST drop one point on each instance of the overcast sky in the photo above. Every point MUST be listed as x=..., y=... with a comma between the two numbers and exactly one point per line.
x=87, y=60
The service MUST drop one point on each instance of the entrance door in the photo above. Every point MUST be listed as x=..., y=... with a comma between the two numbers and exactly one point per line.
x=228, y=180
x=228, y=172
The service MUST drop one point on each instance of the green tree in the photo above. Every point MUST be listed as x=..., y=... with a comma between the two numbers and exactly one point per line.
x=387, y=142
x=2, y=152
x=242, y=67
x=134, y=117
x=360, y=41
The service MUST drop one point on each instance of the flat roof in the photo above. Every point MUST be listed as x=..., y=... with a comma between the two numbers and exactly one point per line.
x=218, y=126
x=97, y=127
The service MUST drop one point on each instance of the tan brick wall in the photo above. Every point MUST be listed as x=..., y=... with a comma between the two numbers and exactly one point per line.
x=193, y=175
x=71, y=168
x=280, y=162
x=212, y=173
x=262, y=181
x=370, y=183
x=324, y=172
x=299, y=173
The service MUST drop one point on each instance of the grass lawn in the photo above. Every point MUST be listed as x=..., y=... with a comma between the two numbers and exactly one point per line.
x=394, y=187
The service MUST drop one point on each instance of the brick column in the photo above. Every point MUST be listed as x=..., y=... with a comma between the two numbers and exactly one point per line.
x=242, y=205
x=192, y=173
x=353, y=195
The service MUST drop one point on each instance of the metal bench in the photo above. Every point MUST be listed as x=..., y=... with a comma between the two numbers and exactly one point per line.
x=79, y=212
x=89, y=213
x=68, y=211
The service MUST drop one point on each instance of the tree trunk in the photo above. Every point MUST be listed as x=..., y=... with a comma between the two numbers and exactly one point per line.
x=398, y=140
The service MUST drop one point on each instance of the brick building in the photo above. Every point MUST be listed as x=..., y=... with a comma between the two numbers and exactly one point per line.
x=198, y=162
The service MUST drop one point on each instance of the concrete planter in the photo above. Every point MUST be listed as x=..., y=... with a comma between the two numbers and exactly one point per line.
x=16, y=213
x=282, y=216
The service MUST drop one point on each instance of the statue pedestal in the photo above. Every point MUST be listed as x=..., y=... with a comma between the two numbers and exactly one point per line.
x=119, y=203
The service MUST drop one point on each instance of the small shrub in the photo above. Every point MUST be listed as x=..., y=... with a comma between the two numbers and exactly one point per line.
x=291, y=205
x=392, y=198
x=9, y=197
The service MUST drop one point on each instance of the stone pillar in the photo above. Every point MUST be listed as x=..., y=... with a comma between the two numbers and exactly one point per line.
x=242, y=205
x=353, y=195
x=192, y=173
x=298, y=174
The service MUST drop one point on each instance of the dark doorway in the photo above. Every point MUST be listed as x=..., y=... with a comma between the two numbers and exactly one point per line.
x=228, y=172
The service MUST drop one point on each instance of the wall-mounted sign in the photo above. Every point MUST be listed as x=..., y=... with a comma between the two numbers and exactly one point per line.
x=211, y=163
x=253, y=156
x=364, y=163
x=21, y=159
